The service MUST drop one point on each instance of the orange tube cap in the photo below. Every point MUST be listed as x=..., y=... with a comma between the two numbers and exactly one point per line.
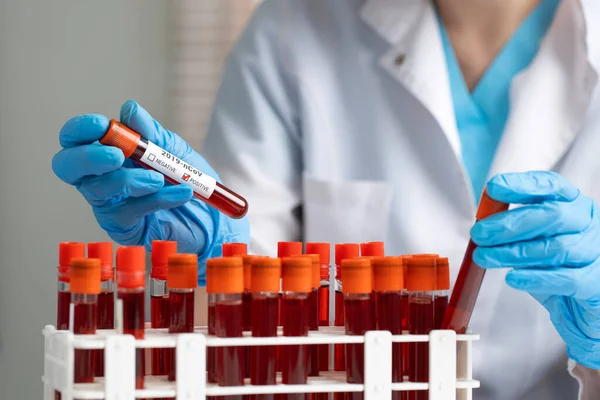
x=248, y=261
x=118, y=135
x=225, y=275
x=182, y=271
x=266, y=274
x=357, y=275
x=442, y=270
x=420, y=273
x=388, y=274
x=296, y=274
x=85, y=275
x=489, y=206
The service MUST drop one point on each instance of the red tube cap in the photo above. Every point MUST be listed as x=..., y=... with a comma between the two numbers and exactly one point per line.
x=131, y=267
x=235, y=249
x=66, y=252
x=104, y=252
x=322, y=249
x=287, y=249
x=372, y=249
x=161, y=250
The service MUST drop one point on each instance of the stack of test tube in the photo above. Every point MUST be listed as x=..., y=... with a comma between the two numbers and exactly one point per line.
x=400, y=294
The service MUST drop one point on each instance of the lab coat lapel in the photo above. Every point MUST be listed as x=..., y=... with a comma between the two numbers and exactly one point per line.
x=416, y=57
x=549, y=100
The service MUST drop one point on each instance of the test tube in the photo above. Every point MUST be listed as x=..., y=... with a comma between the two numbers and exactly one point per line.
x=373, y=249
x=442, y=290
x=324, y=252
x=159, y=300
x=248, y=261
x=182, y=278
x=342, y=252
x=357, y=290
x=236, y=249
x=225, y=280
x=84, y=275
x=420, y=282
x=313, y=311
x=265, y=278
x=296, y=285
x=131, y=284
x=405, y=313
x=175, y=170
x=106, y=299
x=285, y=249
x=388, y=283
x=66, y=252
x=470, y=276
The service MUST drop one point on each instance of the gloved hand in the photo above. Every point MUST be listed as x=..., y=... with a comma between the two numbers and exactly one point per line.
x=553, y=245
x=134, y=205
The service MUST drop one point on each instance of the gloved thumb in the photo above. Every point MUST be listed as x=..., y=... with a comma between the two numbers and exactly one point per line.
x=137, y=118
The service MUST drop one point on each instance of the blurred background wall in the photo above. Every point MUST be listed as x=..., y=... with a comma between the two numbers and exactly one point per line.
x=66, y=57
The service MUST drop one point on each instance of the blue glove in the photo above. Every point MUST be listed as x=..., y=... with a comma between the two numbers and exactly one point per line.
x=134, y=205
x=553, y=245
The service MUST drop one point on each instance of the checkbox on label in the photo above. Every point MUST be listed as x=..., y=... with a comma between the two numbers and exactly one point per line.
x=151, y=157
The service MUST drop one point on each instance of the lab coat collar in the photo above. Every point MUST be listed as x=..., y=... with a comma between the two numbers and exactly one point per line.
x=549, y=100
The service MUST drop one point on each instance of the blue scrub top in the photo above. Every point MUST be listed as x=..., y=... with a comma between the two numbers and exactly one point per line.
x=482, y=114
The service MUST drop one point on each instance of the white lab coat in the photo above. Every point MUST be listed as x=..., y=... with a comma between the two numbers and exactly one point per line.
x=335, y=120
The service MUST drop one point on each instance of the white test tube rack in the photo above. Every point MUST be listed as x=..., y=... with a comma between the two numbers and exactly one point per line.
x=450, y=372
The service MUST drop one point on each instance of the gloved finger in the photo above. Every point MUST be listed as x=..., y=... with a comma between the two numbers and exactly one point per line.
x=580, y=283
x=72, y=164
x=547, y=219
x=137, y=118
x=531, y=187
x=573, y=250
x=122, y=183
x=83, y=129
x=129, y=211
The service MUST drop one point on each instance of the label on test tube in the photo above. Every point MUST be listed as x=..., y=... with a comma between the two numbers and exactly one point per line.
x=178, y=170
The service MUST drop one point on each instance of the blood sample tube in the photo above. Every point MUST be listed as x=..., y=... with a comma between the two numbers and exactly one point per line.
x=248, y=261
x=226, y=281
x=313, y=311
x=373, y=249
x=442, y=290
x=324, y=252
x=182, y=279
x=66, y=252
x=265, y=277
x=388, y=283
x=296, y=284
x=405, y=314
x=84, y=274
x=420, y=282
x=285, y=249
x=357, y=290
x=131, y=284
x=470, y=276
x=342, y=252
x=159, y=300
x=175, y=170
x=106, y=299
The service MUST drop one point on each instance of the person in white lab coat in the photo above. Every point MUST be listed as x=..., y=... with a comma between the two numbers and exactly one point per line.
x=353, y=121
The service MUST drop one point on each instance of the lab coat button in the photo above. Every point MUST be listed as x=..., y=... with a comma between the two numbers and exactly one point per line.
x=399, y=60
